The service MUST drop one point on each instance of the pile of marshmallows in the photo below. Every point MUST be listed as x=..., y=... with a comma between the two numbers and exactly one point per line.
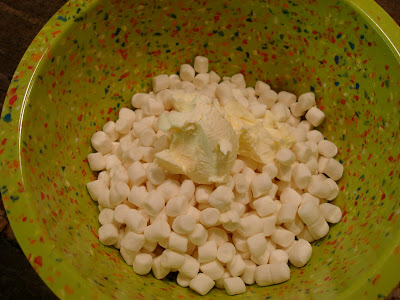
x=244, y=231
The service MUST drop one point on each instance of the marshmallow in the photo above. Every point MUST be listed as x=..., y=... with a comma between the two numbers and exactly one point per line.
x=301, y=176
x=257, y=109
x=293, y=121
x=250, y=225
x=261, y=259
x=282, y=237
x=169, y=188
x=173, y=81
x=101, y=142
x=221, y=198
x=305, y=235
x=184, y=224
x=154, y=203
x=278, y=256
x=157, y=231
x=199, y=235
x=128, y=256
x=118, y=193
x=186, y=72
x=183, y=280
x=264, y=206
x=234, y=286
x=136, y=173
x=248, y=275
x=159, y=271
x=138, y=196
x=106, y=216
x=139, y=99
x=239, y=81
x=213, y=269
x=96, y=188
x=155, y=174
x=308, y=197
x=142, y=263
x=112, y=161
x=160, y=82
x=230, y=183
x=307, y=126
x=172, y=259
x=271, y=169
x=207, y=252
x=268, y=98
x=104, y=199
x=219, y=283
x=280, y=112
x=194, y=212
x=333, y=189
x=152, y=107
x=176, y=206
x=120, y=174
x=261, y=88
x=214, y=77
x=314, y=149
x=120, y=212
x=315, y=116
x=149, y=247
x=257, y=244
x=190, y=267
x=218, y=235
x=105, y=177
x=109, y=129
x=296, y=109
x=238, y=207
x=286, y=98
x=161, y=216
x=237, y=166
x=245, y=255
x=123, y=126
x=138, y=127
x=289, y=195
x=318, y=186
x=272, y=274
x=330, y=212
x=164, y=97
x=302, y=151
x=133, y=154
x=315, y=136
x=201, y=284
x=133, y=241
x=309, y=212
x=285, y=157
x=240, y=242
x=96, y=161
x=209, y=217
x=300, y=253
x=230, y=219
x=295, y=226
x=201, y=81
x=306, y=101
x=241, y=184
x=268, y=225
x=201, y=64
x=243, y=199
x=108, y=234
x=248, y=173
x=299, y=134
x=162, y=143
x=284, y=173
x=203, y=193
x=260, y=185
x=312, y=165
x=287, y=212
x=236, y=266
x=327, y=148
x=225, y=252
x=319, y=229
x=333, y=169
x=177, y=242
x=187, y=189
x=147, y=137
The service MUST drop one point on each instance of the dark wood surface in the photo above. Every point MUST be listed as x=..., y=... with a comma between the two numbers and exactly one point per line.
x=20, y=21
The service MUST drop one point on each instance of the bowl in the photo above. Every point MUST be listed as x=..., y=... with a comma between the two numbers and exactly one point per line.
x=92, y=56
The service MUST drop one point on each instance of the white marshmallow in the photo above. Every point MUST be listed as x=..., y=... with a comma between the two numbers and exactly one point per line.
x=280, y=112
x=245, y=255
x=248, y=275
x=236, y=266
x=201, y=81
x=109, y=129
x=315, y=136
x=186, y=72
x=96, y=161
x=101, y=142
x=207, y=252
x=169, y=188
x=120, y=212
x=250, y=225
x=147, y=137
x=234, y=286
x=285, y=157
x=218, y=235
x=295, y=226
x=155, y=174
x=287, y=212
x=239, y=81
x=201, y=64
x=221, y=198
x=133, y=241
x=260, y=185
x=184, y=224
x=154, y=203
x=327, y=148
x=241, y=184
x=209, y=217
x=272, y=274
x=289, y=195
x=305, y=235
x=296, y=109
x=203, y=193
x=219, y=283
x=278, y=256
x=108, y=234
x=105, y=177
x=118, y=193
x=152, y=107
x=271, y=169
x=187, y=189
x=309, y=212
x=293, y=121
x=136, y=173
x=159, y=271
x=257, y=244
x=106, y=216
x=162, y=143
x=104, y=199
x=299, y=134
x=173, y=81
x=333, y=189
x=284, y=173
x=176, y=206
x=138, y=196
x=142, y=263
x=333, y=169
x=319, y=229
x=160, y=82
x=286, y=98
x=201, y=284
x=315, y=116
x=282, y=237
x=190, y=267
x=262, y=259
x=230, y=219
x=225, y=252
x=172, y=259
x=139, y=99
x=214, y=77
x=306, y=100
x=302, y=151
x=261, y=87
x=257, y=109
x=183, y=280
x=199, y=235
x=312, y=165
x=128, y=256
x=213, y=269
x=330, y=212
x=300, y=253
x=149, y=247
x=318, y=186
x=308, y=197
x=307, y=126
x=157, y=231
x=314, y=148
x=112, y=161
x=268, y=98
x=240, y=242
x=301, y=176
x=194, y=212
x=237, y=166
x=161, y=216
x=96, y=188
x=177, y=242
x=123, y=126
x=223, y=92
x=268, y=225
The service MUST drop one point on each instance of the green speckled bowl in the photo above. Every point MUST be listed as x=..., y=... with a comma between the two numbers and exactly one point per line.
x=93, y=55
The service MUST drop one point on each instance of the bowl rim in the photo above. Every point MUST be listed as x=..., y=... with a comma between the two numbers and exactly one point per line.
x=64, y=280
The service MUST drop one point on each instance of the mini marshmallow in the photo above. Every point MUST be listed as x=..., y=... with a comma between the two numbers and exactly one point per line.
x=285, y=157
x=201, y=81
x=96, y=161
x=307, y=126
x=194, y=212
x=132, y=241
x=318, y=186
x=280, y=112
x=187, y=189
x=153, y=107
x=303, y=153
x=108, y=234
x=282, y=237
x=287, y=212
x=209, y=217
x=257, y=109
x=186, y=72
x=120, y=212
x=327, y=148
x=333, y=189
x=315, y=116
x=261, y=259
x=173, y=81
x=278, y=256
x=177, y=242
x=207, y=252
x=214, y=77
x=169, y=188
x=284, y=173
x=295, y=226
x=230, y=219
x=223, y=92
x=315, y=136
x=241, y=184
x=250, y=225
x=261, y=87
x=219, y=283
x=218, y=235
x=109, y=129
x=248, y=275
x=330, y=212
x=161, y=216
x=106, y=216
x=183, y=280
x=104, y=199
x=306, y=101
x=136, y=173
x=289, y=195
x=286, y=98
x=155, y=174
x=293, y=121
x=138, y=196
x=234, y=286
x=147, y=137
x=305, y=235
x=271, y=169
x=308, y=197
x=128, y=256
x=333, y=169
x=190, y=267
x=226, y=252
x=213, y=269
x=239, y=81
x=309, y=212
x=296, y=109
x=240, y=242
x=123, y=126
x=101, y=142
x=257, y=244
x=159, y=271
x=314, y=148
x=172, y=259
x=184, y=224
x=299, y=134
x=160, y=82
x=237, y=166
x=105, y=177
x=96, y=188
x=268, y=225
x=203, y=193
x=118, y=193
x=176, y=206
x=245, y=255
x=260, y=185
x=268, y=98
x=154, y=203
x=201, y=64
x=157, y=231
x=162, y=143
x=319, y=229
x=201, y=284
x=221, y=198
x=199, y=235
x=138, y=127
x=142, y=263
x=139, y=99
x=312, y=165
x=301, y=176
x=300, y=253
x=149, y=247
x=112, y=161
x=236, y=266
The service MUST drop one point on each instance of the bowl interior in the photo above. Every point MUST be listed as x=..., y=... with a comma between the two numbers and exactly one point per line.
x=111, y=51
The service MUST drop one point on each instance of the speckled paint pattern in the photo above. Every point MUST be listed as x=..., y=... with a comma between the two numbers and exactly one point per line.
x=92, y=56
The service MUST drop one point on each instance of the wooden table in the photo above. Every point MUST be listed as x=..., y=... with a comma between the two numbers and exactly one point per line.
x=20, y=21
